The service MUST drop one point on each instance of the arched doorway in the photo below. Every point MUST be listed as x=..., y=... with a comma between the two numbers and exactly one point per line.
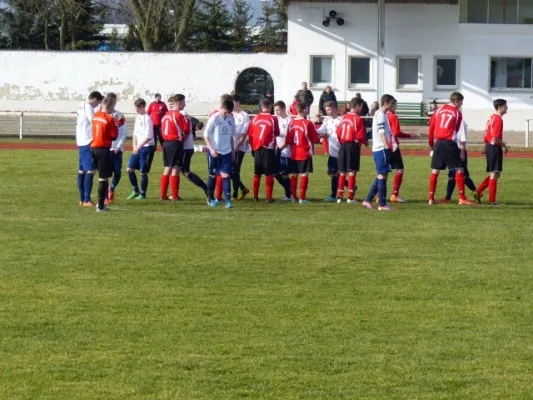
x=252, y=84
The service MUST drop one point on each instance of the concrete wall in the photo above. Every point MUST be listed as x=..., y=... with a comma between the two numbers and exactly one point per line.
x=411, y=30
x=57, y=81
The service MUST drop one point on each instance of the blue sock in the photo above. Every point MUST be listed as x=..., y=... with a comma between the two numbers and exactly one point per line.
x=81, y=186
x=144, y=184
x=115, y=180
x=133, y=180
x=211, y=182
x=226, y=187
x=470, y=184
x=88, y=181
x=450, y=188
x=195, y=179
x=382, y=190
x=373, y=191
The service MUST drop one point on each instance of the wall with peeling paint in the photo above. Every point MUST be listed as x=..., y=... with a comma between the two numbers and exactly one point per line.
x=57, y=81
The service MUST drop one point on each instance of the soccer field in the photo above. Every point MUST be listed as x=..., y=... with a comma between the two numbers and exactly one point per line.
x=179, y=301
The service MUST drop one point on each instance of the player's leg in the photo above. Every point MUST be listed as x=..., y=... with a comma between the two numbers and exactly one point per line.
x=258, y=171
x=236, y=177
x=134, y=163
x=343, y=168
x=88, y=166
x=225, y=172
x=293, y=169
x=117, y=174
x=269, y=168
x=353, y=164
x=191, y=176
x=437, y=164
x=283, y=176
x=213, y=171
x=105, y=169
x=367, y=203
x=450, y=187
x=305, y=168
x=397, y=164
x=177, y=162
x=333, y=173
x=495, y=173
x=145, y=164
x=81, y=179
x=168, y=156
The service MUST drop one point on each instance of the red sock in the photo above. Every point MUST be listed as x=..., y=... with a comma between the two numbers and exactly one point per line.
x=294, y=185
x=257, y=183
x=164, y=186
x=351, y=186
x=340, y=186
x=484, y=185
x=219, y=187
x=175, y=186
x=304, y=181
x=269, y=186
x=433, y=185
x=493, y=186
x=398, y=177
x=460, y=180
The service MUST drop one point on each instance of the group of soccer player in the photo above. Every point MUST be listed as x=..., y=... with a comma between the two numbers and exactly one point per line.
x=282, y=148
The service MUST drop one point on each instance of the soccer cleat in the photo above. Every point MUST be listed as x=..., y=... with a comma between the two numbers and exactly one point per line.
x=164, y=198
x=228, y=204
x=385, y=208
x=244, y=193
x=132, y=195
x=285, y=199
x=235, y=196
x=330, y=199
x=496, y=204
x=339, y=200
x=270, y=201
x=256, y=198
x=212, y=203
x=368, y=205
x=107, y=202
x=105, y=209
x=477, y=197
x=444, y=200
x=111, y=196
x=431, y=202
x=179, y=198
x=397, y=199
x=351, y=201
x=141, y=197
x=466, y=202
x=294, y=201
x=89, y=203
x=174, y=199
x=304, y=201
x=81, y=203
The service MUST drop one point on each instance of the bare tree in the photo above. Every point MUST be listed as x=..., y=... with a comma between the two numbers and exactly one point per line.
x=149, y=16
x=182, y=22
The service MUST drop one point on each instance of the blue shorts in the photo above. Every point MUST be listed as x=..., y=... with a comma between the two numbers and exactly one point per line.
x=221, y=164
x=143, y=160
x=333, y=165
x=382, y=159
x=186, y=164
x=85, y=159
x=117, y=162
x=283, y=165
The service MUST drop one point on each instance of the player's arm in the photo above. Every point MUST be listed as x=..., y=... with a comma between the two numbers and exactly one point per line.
x=289, y=138
x=381, y=131
x=208, y=133
x=360, y=132
x=431, y=131
x=323, y=130
x=148, y=133
x=312, y=133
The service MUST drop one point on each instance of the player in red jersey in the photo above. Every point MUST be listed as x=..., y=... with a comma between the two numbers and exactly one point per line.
x=174, y=129
x=351, y=135
x=443, y=128
x=301, y=136
x=263, y=131
x=396, y=157
x=495, y=147
x=218, y=185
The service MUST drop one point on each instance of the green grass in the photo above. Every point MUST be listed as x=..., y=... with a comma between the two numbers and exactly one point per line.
x=179, y=301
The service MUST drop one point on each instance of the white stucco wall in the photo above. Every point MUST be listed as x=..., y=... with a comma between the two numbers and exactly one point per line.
x=57, y=81
x=411, y=30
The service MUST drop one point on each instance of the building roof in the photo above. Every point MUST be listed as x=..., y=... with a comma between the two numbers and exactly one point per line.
x=375, y=1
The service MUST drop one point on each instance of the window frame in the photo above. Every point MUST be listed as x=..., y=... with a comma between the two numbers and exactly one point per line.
x=409, y=87
x=361, y=86
x=504, y=90
x=436, y=86
x=321, y=85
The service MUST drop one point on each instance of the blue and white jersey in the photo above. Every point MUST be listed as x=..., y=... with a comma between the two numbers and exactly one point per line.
x=329, y=126
x=220, y=132
x=380, y=124
x=144, y=129
x=84, y=134
x=280, y=140
x=119, y=142
x=242, y=122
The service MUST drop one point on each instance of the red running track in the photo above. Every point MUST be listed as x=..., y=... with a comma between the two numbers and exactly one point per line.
x=318, y=150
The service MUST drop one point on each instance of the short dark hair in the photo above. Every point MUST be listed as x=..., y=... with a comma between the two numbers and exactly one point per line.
x=456, y=96
x=140, y=103
x=301, y=107
x=178, y=97
x=199, y=125
x=280, y=104
x=266, y=102
x=157, y=95
x=358, y=95
x=386, y=99
x=227, y=105
x=225, y=97
x=355, y=102
x=96, y=96
x=330, y=104
x=237, y=97
x=499, y=103
x=112, y=95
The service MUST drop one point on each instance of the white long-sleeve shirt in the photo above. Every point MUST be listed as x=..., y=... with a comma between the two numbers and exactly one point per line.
x=220, y=131
x=242, y=122
x=380, y=124
x=144, y=128
x=84, y=134
x=329, y=126
x=121, y=139
x=280, y=140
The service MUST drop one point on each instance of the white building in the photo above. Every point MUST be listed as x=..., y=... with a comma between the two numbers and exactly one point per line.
x=413, y=51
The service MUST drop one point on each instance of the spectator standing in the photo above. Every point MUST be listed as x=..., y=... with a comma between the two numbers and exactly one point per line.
x=327, y=95
x=305, y=96
x=373, y=109
x=157, y=110
x=365, y=110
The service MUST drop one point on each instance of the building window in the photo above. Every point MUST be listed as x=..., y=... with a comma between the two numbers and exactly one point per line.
x=496, y=11
x=321, y=70
x=446, y=72
x=408, y=70
x=359, y=72
x=511, y=73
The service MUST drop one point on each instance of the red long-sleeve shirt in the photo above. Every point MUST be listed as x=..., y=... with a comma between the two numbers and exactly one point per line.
x=156, y=111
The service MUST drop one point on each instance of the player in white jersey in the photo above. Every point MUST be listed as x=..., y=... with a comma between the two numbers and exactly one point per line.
x=284, y=156
x=188, y=152
x=218, y=136
x=381, y=135
x=117, y=150
x=242, y=121
x=328, y=132
x=143, y=151
x=86, y=169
